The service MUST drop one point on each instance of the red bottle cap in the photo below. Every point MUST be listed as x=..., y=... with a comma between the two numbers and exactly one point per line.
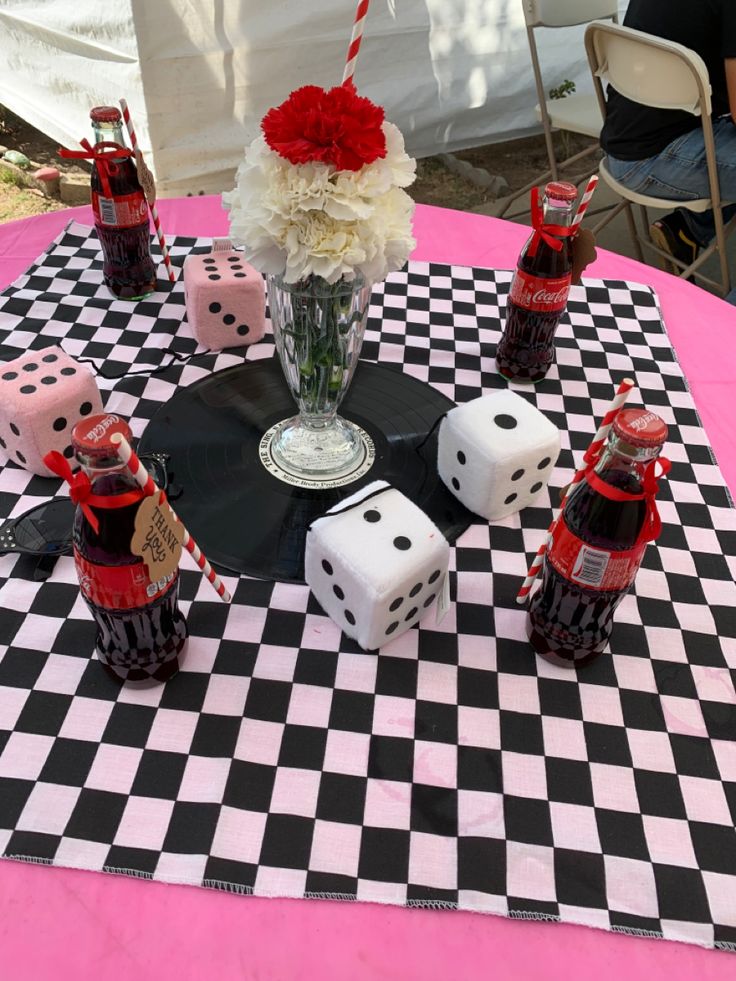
x=561, y=191
x=640, y=427
x=105, y=114
x=91, y=437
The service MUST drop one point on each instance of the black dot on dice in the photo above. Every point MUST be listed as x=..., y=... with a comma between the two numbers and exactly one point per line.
x=517, y=474
x=85, y=408
x=215, y=308
x=429, y=600
x=373, y=516
x=536, y=487
x=228, y=319
x=435, y=576
x=402, y=543
x=327, y=567
x=396, y=603
x=338, y=592
x=48, y=380
x=209, y=261
x=461, y=458
x=415, y=589
x=392, y=626
x=50, y=358
x=10, y=375
x=27, y=389
x=412, y=612
x=236, y=267
x=214, y=276
x=544, y=463
x=32, y=366
x=455, y=483
x=350, y=618
x=14, y=429
x=20, y=457
x=510, y=498
x=68, y=371
x=239, y=275
x=233, y=258
x=504, y=421
x=2, y=442
x=69, y=452
x=243, y=330
x=59, y=424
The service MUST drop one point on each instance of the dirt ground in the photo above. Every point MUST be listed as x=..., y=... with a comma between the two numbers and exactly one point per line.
x=518, y=161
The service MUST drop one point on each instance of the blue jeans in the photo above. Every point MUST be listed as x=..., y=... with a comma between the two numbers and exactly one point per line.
x=680, y=173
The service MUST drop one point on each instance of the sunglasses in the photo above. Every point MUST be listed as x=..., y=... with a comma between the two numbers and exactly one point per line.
x=46, y=530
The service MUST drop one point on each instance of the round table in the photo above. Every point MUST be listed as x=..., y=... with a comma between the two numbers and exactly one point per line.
x=63, y=923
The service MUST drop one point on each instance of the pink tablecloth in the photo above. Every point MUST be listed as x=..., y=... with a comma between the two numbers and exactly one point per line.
x=65, y=924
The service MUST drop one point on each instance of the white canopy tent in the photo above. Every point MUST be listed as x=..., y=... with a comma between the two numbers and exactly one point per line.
x=199, y=74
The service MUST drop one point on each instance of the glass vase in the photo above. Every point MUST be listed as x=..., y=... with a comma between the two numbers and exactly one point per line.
x=318, y=329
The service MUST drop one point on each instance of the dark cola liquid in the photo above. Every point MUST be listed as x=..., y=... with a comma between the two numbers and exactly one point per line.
x=567, y=623
x=137, y=645
x=527, y=349
x=127, y=267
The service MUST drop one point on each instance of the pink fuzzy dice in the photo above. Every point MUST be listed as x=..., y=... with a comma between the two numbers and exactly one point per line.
x=42, y=395
x=226, y=300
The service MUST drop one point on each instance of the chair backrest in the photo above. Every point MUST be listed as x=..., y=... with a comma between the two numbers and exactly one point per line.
x=648, y=69
x=567, y=13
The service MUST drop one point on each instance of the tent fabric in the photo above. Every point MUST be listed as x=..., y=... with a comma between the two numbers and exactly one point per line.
x=198, y=75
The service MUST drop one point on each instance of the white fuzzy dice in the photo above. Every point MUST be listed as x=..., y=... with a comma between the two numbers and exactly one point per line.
x=496, y=453
x=43, y=394
x=376, y=564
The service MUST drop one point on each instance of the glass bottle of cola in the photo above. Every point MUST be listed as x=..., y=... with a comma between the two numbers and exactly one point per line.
x=598, y=543
x=140, y=629
x=539, y=289
x=121, y=213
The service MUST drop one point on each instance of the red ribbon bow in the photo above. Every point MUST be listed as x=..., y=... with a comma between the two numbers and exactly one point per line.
x=542, y=232
x=104, y=156
x=80, y=488
x=652, y=525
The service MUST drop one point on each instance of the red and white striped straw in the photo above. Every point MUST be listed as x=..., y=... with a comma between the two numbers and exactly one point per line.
x=154, y=212
x=622, y=393
x=584, y=202
x=143, y=478
x=357, y=37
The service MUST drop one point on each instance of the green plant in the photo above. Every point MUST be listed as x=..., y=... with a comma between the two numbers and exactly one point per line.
x=566, y=88
x=7, y=176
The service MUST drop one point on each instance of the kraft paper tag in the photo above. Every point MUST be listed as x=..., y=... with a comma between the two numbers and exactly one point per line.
x=583, y=253
x=145, y=179
x=157, y=538
x=443, y=600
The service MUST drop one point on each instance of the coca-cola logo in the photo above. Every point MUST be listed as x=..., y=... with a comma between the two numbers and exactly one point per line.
x=95, y=434
x=642, y=422
x=547, y=296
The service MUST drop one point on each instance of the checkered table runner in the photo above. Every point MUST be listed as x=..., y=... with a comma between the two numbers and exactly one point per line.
x=453, y=769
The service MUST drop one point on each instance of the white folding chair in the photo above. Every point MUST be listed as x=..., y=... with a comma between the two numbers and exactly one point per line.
x=576, y=113
x=664, y=75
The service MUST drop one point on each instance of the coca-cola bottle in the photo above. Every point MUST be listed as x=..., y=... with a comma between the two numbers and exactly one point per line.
x=598, y=543
x=539, y=289
x=121, y=213
x=140, y=629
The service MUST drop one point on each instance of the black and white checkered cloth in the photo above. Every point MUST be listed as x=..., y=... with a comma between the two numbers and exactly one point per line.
x=454, y=768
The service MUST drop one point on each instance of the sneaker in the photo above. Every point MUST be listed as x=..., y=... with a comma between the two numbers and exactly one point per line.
x=672, y=235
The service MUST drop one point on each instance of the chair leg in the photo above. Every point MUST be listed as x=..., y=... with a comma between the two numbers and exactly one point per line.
x=633, y=232
x=645, y=219
x=551, y=153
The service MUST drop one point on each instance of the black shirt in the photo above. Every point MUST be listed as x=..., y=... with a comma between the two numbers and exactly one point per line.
x=635, y=132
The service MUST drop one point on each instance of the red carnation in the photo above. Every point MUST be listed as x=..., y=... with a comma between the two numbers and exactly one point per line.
x=338, y=127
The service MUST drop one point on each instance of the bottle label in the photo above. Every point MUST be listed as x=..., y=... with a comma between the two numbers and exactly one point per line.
x=592, y=568
x=124, y=211
x=122, y=587
x=540, y=294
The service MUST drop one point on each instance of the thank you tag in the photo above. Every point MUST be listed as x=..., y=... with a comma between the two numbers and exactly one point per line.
x=443, y=600
x=145, y=178
x=157, y=538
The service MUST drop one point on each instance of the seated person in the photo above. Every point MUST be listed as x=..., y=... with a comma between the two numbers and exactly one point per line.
x=661, y=152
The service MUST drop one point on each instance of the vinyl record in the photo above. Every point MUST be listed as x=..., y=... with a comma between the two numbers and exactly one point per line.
x=247, y=521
